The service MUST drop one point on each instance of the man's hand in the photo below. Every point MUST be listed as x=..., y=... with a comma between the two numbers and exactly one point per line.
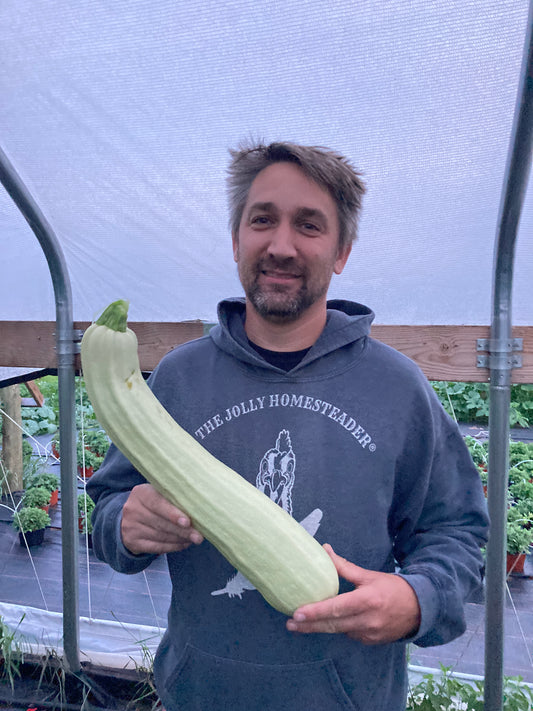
x=382, y=608
x=151, y=524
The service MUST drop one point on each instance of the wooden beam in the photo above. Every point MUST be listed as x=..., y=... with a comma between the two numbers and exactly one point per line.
x=31, y=344
x=443, y=352
x=36, y=394
x=450, y=352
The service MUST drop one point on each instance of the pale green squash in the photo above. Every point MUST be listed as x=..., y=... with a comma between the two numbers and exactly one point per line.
x=270, y=548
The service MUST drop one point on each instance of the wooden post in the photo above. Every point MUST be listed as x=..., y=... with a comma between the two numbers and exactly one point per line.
x=11, y=439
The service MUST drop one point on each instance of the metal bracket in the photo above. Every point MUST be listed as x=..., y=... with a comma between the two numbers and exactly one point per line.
x=500, y=353
x=73, y=346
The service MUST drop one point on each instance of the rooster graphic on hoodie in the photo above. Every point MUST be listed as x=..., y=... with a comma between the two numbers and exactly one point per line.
x=275, y=479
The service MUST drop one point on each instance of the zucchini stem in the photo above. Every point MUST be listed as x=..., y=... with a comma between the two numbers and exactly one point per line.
x=115, y=316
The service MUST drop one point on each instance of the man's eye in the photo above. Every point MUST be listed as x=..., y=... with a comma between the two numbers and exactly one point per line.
x=260, y=220
x=310, y=227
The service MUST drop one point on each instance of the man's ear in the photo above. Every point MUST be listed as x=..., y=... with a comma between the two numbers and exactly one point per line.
x=342, y=258
x=235, y=243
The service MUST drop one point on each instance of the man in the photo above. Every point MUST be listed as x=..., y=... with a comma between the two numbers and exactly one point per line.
x=343, y=432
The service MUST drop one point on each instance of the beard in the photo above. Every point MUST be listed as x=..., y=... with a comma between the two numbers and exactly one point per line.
x=279, y=302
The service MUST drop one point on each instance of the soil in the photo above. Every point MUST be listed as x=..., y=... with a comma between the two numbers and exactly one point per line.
x=58, y=690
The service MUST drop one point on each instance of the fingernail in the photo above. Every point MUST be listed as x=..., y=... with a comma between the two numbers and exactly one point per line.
x=183, y=521
x=196, y=538
x=299, y=616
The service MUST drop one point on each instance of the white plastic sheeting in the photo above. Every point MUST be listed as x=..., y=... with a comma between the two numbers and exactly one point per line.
x=118, y=116
x=102, y=642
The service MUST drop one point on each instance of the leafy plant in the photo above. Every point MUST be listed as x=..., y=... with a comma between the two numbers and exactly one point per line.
x=465, y=402
x=11, y=652
x=85, y=509
x=469, y=402
x=54, y=443
x=84, y=410
x=524, y=511
x=39, y=420
x=521, y=408
x=445, y=692
x=519, y=538
x=36, y=496
x=32, y=463
x=522, y=491
x=145, y=688
x=520, y=452
x=87, y=458
x=47, y=480
x=94, y=440
x=44, y=420
x=520, y=466
x=30, y=518
x=97, y=441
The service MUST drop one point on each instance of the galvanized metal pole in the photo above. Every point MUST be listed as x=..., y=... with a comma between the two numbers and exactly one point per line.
x=501, y=362
x=65, y=346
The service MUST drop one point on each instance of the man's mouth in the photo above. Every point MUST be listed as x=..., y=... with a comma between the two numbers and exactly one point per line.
x=279, y=275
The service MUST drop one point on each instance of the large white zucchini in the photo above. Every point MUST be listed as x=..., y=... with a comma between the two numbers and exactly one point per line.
x=270, y=548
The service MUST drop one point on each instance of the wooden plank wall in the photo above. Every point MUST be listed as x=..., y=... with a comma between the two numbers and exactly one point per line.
x=443, y=352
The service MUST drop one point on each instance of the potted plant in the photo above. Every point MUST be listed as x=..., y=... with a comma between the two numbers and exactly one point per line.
x=85, y=509
x=97, y=441
x=54, y=445
x=520, y=461
x=524, y=511
x=49, y=481
x=30, y=522
x=88, y=462
x=521, y=490
x=37, y=496
x=518, y=541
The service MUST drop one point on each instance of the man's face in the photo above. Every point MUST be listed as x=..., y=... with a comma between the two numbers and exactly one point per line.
x=287, y=247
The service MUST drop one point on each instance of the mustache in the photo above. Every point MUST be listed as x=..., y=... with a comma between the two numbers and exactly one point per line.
x=285, y=264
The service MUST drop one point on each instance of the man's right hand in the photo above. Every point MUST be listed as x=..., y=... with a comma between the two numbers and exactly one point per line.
x=151, y=524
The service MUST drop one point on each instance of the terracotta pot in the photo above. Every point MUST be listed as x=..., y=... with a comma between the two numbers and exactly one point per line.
x=33, y=538
x=46, y=507
x=515, y=562
x=54, y=497
x=86, y=473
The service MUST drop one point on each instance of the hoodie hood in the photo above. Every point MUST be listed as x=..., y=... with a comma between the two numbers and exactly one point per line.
x=347, y=327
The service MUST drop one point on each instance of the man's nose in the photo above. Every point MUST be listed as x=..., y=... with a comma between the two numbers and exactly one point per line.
x=282, y=241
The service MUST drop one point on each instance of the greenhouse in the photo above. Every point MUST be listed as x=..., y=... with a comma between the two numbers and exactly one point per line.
x=116, y=126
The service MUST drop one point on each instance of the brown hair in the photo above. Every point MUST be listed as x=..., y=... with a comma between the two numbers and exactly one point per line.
x=327, y=168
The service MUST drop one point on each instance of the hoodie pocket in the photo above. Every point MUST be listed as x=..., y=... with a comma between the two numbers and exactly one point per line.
x=204, y=682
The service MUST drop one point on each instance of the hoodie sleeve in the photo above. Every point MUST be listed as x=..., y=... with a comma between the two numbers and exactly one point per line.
x=441, y=525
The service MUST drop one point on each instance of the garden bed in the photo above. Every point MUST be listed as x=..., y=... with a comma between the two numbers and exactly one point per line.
x=44, y=684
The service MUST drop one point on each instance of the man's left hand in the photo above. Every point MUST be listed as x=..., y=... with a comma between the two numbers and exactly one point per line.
x=383, y=607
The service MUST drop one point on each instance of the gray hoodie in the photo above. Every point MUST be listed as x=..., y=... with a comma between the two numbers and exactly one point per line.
x=355, y=445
